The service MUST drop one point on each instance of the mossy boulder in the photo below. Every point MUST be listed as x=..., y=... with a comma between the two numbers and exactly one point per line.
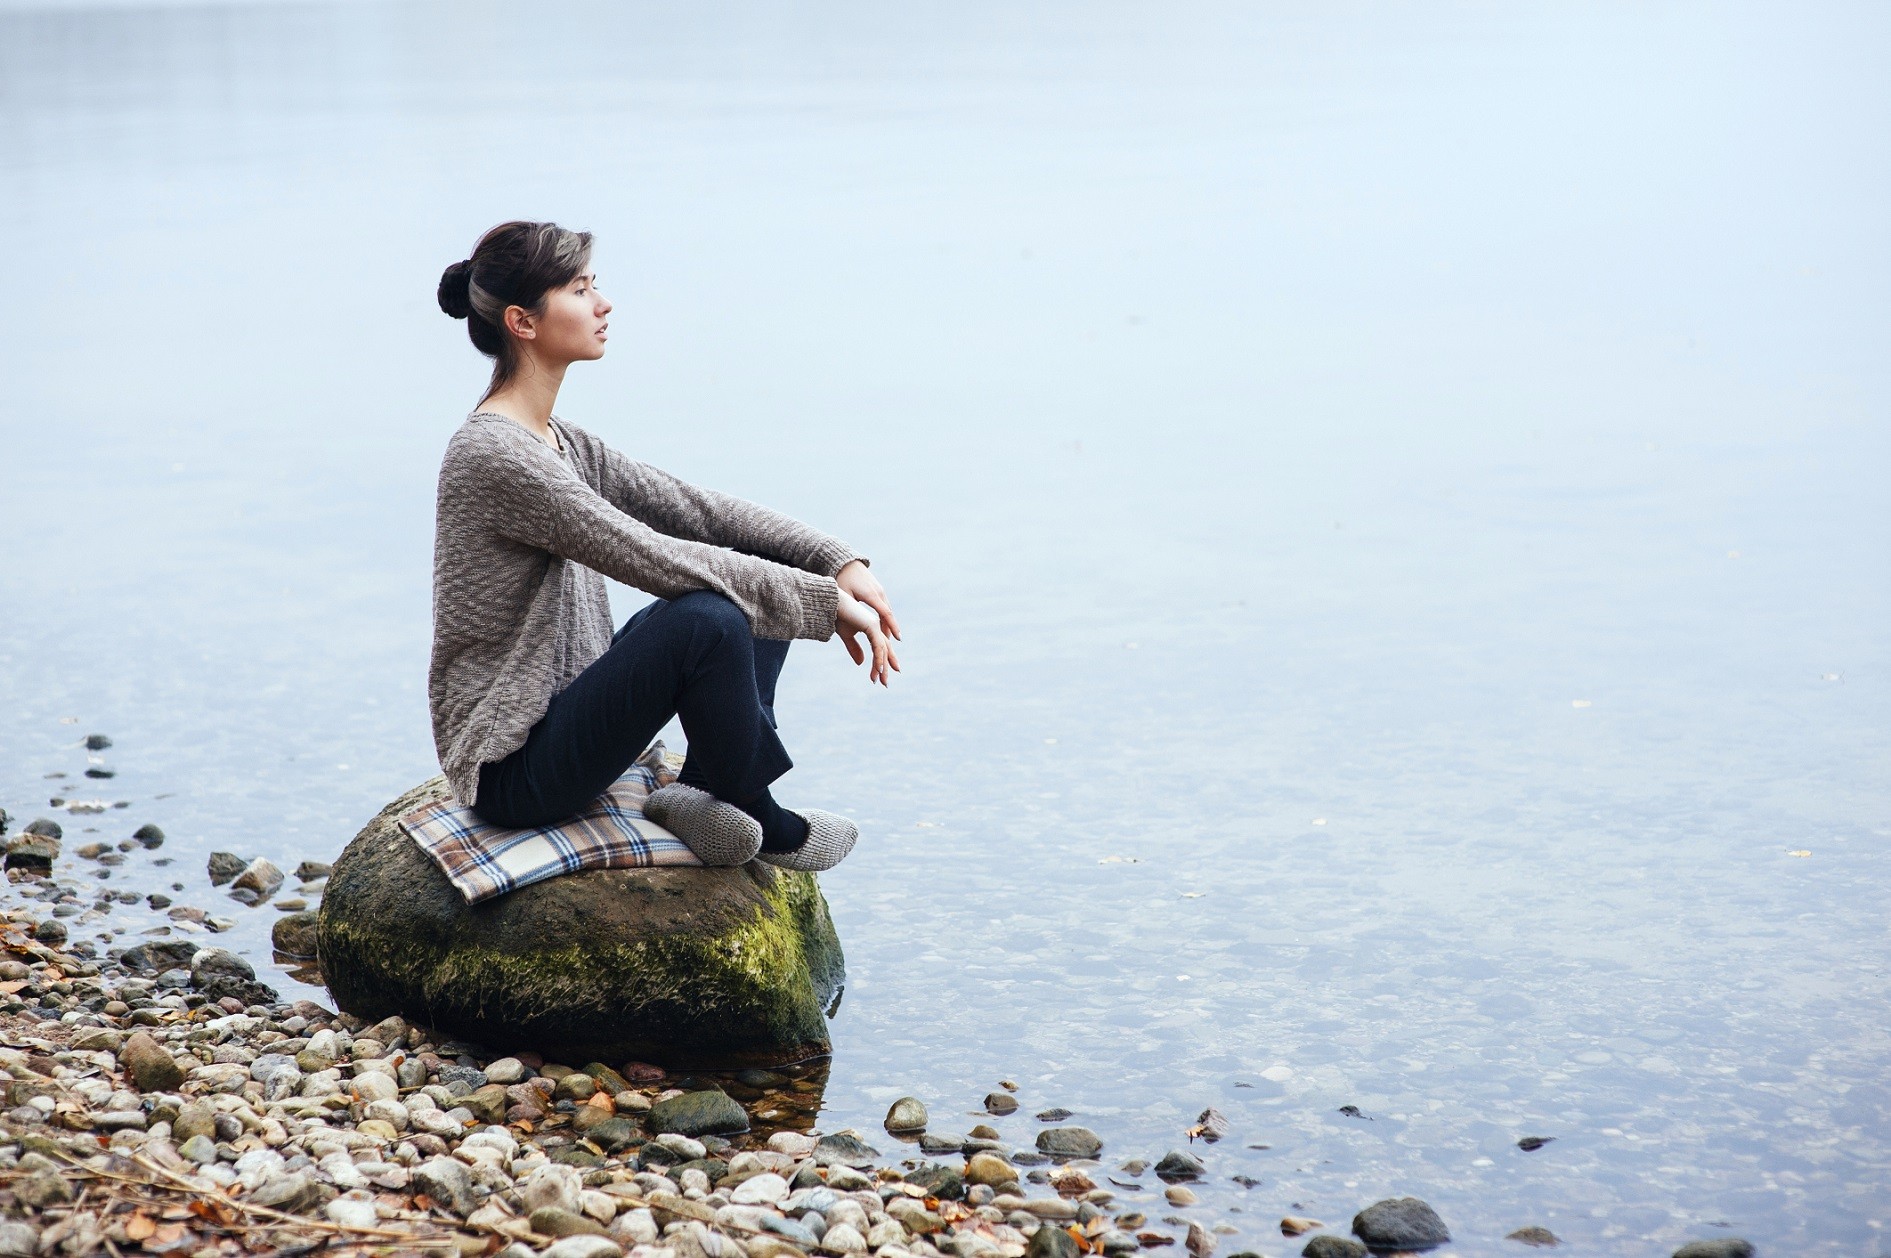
x=683, y=967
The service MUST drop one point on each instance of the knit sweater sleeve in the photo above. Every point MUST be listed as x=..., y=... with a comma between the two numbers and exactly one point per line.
x=673, y=505
x=533, y=499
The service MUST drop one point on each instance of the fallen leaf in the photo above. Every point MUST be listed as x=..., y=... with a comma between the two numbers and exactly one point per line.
x=139, y=1226
x=14, y=985
x=602, y=1100
x=1294, y=1225
x=169, y=1234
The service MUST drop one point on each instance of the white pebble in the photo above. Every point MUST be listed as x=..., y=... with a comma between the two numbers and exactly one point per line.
x=760, y=1190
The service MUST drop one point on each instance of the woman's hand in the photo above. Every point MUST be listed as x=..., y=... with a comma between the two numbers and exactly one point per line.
x=853, y=618
x=856, y=579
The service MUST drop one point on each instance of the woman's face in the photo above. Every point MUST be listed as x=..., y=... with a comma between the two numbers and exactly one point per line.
x=572, y=326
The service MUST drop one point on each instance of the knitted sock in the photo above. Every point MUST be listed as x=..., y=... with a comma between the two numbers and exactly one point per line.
x=719, y=833
x=830, y=838
x=782, y=831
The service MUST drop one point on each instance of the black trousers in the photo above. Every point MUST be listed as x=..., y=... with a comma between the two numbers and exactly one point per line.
x=693, y=658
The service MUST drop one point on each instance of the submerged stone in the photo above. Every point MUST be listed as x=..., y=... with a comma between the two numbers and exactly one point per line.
x=1400, y=1223
x=703, y=967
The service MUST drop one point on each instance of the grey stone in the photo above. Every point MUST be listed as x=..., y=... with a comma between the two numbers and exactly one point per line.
x=1069, y=1142
x=583, y=1247
x=1176, y=1165
x=906, y=1115
x=1331, y=1247
x=18, y=1240
x=27, y=850
x=158, y=955
x=209, y=963
x=50, y=932
x=845, y=1148
x=1721, y=1247
x=943, y=1182
x=45, y=827
x=42, y=1189
x=505, y=1070
x=294, y=935
x=613, y=1135
x=448, y=1182
x=1001, y=1103
x=1400, y=1223
x=698, y=1113
x=293, y=1192
x=706, y=967
x=149, y=835
x=200, y=1149
x=556, y=1221
x=1051, y=1241
x=223, y=866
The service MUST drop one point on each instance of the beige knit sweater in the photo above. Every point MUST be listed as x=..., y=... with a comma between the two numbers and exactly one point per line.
x=522, y=532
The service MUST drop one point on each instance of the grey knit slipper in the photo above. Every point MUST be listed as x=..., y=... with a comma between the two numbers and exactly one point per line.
x=830, y=838
x=719, y=833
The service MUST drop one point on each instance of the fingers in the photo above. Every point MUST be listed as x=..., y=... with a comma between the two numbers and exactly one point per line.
x=849, y=640
x=877, y=600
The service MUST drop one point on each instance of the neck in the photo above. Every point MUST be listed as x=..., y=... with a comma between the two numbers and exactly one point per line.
x=529, y=397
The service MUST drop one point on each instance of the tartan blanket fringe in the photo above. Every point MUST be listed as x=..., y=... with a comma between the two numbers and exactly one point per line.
x=483, y=861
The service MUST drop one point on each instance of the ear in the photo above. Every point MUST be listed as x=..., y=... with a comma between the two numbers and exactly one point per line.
x=519, y=322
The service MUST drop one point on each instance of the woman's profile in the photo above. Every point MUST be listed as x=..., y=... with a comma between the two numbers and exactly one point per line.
x=537, y=705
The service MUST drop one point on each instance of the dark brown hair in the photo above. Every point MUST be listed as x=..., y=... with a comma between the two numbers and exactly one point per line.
x=514, y=264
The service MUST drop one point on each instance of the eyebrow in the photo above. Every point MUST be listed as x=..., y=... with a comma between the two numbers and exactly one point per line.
x=588, y=276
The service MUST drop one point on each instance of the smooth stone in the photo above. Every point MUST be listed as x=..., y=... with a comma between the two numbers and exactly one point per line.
x=1400, y=1223
x=1176, y=1165
x=1069, y=1142
x=505, y=1070
x=488, y=1104
x=448, y=1182
x=714, y=967
x=1001, y=1103
x=1720, y=1247
x=760, y=1190
x=294, y=935
x=1332, y=1247
x=614, y=1135
x=151, y=1067
x=259, y=876
x=989, y=1169
x=1181, y=1196
x=697, y=1113
x=1536, y=1237
x=18, y=1240
x=944, y=1182
x=557, y=1221
x=940, y=1142
x=200, y=1149
x=583, y=1247
x=351, y=1212
x=1050, y=1241
x=906, y=1114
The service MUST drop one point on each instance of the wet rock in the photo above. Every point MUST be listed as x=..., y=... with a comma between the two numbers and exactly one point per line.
x=158, y=956
x=97, y=742
x=614, y=1135
x=149, y=835
x=1530, y=1144
x=27, y=850
x=507, y=1070
x=940, y=1142
x=1001, y=1103
x=1333, y=1247
x=50, y=932
x=906, y=1114
x=1400, y=1223
x=844, y=1148
x=260, y=876
x=1176, y=1166
x=989, y=1169
x=697, y=1114
x=223, y=866
x=294, y=935
x=1069, y=1142
x=100, y=771
x=150, y=1066
x=313, y=871
x=574, y=1087
x=944, y=1182
x=45, y=827
x=715, y=967
x=1051, y=1242
x=1537, y=1237
x=209, y=963
x=1055, y=1114
x=1722, y=1247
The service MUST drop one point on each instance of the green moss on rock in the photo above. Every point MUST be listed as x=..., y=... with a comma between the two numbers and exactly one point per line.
x=698, y=967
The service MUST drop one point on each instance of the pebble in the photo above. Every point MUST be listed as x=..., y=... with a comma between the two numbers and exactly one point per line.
x=1069, y=1142
x=1720, y=1247
x=907, y=1114
x=1001, y=1103
x=1333, y=1247
x=1176, y=1165
x=1180, y=1195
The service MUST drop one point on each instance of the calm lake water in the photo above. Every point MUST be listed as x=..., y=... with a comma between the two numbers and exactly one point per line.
x=1388, y=504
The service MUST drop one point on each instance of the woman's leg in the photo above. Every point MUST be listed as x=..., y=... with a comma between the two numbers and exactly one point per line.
x=693, y=657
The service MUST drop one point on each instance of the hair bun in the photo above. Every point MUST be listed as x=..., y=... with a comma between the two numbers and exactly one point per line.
x=455, y=294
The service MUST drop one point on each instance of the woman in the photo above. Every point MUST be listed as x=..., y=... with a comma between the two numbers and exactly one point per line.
x=537, y=706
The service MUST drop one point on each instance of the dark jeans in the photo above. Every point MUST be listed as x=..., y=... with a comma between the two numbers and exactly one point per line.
x=691, y=657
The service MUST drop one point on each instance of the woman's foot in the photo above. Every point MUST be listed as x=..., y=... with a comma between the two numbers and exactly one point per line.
x=830, y=838
x=719, y=833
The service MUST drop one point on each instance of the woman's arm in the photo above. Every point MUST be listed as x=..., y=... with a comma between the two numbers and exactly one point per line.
x=519, y=493
x=672, y=505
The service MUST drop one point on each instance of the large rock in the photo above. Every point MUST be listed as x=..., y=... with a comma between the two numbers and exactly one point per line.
x=687, y=967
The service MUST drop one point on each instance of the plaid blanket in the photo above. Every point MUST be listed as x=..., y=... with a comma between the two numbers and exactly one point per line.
x=484, y=861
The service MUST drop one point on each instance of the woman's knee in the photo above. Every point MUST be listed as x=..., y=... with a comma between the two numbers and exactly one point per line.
x=708, y=607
